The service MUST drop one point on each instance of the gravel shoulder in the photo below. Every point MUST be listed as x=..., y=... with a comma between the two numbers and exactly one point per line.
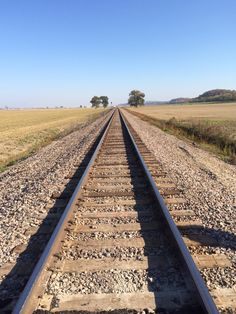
x=208, y=185
x=27, y=187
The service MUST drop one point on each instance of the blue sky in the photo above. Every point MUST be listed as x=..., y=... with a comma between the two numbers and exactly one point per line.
x=62, y=52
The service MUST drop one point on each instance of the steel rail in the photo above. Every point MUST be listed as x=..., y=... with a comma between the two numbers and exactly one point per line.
x=204, y=295
x=27, y=299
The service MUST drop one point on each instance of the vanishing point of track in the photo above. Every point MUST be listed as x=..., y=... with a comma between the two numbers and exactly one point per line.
x=116, y=226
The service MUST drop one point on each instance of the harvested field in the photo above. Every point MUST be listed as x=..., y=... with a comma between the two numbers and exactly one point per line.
x=213, y=126
x=221, y=111
x=24, y=131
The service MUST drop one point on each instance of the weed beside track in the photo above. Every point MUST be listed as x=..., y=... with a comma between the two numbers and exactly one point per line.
x=217, y=136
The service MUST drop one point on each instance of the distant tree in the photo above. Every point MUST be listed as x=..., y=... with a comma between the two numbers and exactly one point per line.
x=136, y=98
x=104, y=101
x=81, y=106
x=95, y=101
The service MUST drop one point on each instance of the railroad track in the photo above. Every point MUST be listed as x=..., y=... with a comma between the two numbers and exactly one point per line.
x=116, y=246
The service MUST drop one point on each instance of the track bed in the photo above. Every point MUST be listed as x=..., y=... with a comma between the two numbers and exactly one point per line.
x=115, y=250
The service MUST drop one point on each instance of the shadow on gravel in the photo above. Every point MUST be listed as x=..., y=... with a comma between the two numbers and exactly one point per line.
x=15, y=281
x=164, y=274
x=210, y=237
x=165, y=271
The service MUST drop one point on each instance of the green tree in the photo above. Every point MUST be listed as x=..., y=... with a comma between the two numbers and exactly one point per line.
x=136, y=98
x=104, y=101
x=95, y=101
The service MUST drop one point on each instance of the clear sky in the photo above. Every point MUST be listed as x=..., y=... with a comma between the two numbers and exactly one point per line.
x=62, y=52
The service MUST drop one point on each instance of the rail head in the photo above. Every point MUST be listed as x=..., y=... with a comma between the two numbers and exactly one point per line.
x=204, y=295
x=27, y=299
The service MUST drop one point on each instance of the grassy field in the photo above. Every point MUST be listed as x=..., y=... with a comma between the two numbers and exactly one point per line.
x=22, y=132
x=213, y=126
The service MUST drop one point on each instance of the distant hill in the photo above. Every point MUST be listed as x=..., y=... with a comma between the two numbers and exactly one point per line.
x=217, y=95
x=213, y=95
x=180, y=100
x=155, y=102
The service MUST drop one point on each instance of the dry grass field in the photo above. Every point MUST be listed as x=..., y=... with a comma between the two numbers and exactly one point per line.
x=24, y=131
x=213, y=126
x=191, y=111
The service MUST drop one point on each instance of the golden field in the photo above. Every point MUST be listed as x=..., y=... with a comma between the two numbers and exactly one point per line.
x=24, y=131
x=225, y=111
x=213, y=126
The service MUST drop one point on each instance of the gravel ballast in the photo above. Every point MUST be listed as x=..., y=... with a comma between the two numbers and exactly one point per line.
x=26, y=191
x=208, y=185
x=114, y=281
x=121, y=253
x=84, y=236
x=115, y=208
